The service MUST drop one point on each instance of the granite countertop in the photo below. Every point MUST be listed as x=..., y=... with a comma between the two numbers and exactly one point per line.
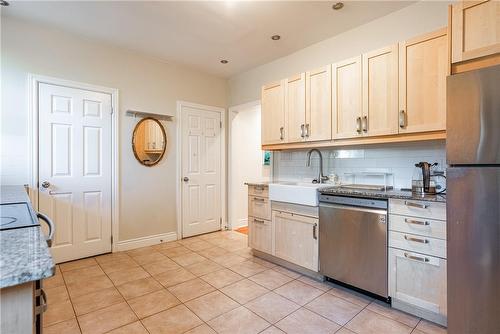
x=336, y=190
x=259, y=183
x=24, y=254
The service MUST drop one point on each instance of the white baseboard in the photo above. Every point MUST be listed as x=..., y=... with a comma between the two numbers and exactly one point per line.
x=240, y=223
x=144, y=241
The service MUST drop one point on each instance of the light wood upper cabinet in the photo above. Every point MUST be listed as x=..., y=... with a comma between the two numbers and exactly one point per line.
x=423, y=67
x=318, y=104
x=380, y=92
x=295, y=107
x=475, y=29
x=346, y=99
x=273, y=114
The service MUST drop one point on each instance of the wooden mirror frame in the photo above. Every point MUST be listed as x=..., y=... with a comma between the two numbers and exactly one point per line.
x=164, y=134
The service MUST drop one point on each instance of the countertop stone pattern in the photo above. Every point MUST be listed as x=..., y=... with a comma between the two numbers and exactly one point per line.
x=399, y=194
x=24, y=254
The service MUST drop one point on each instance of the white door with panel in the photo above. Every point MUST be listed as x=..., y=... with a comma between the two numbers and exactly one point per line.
x=74, y=174
x=201, y=171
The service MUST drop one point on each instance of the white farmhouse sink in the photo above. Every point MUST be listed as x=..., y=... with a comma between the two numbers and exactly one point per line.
x=297, y=193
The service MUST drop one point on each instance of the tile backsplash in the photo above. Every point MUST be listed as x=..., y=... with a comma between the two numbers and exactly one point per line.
x=398, y=159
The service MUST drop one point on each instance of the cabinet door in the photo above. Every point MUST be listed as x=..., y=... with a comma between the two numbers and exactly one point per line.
x=418, y=280
x=423, y=67
x=347, y=99
x=380, y=92
x=295, y=106
x=273, y=114
x=296, y=239
x=260, y=235
x=319, y=104
x=475, y=29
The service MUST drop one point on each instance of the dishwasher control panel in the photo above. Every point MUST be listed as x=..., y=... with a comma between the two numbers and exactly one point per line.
x=354, y=201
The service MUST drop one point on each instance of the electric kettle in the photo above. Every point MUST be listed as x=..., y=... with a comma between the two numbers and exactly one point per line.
x=423, y=182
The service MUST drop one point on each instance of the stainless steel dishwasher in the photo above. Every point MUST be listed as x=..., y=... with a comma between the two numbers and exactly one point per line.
x=353, y=242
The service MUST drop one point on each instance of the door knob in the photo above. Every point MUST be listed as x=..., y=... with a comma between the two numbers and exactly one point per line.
x=45, y=184
x=185, y=179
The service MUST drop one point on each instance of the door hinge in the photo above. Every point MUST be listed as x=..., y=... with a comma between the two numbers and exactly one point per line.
x=220, y=124
x=111, y=239
x=220, y=222
x=112, y=110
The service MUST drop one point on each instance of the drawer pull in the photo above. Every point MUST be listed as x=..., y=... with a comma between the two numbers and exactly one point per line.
x=422, y=241
x=259, y=188
x=417, y=222
x=258, y=221
x=416, y=258
x=416, y=205
x=259, y=199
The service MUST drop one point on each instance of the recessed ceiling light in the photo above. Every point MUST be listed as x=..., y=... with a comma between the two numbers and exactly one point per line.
x=338, y=5
x=223, y=61
x=4, y=3
x=275, y=37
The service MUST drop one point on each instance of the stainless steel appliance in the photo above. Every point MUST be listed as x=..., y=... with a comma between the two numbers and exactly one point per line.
x=353, y=241
x=473, y=201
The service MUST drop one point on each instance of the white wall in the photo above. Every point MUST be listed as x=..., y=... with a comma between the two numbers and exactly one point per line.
x=408, y=22
x=147, y=195
x=398, y=159
x=245, y=161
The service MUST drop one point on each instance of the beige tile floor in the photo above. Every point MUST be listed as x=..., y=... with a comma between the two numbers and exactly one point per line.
x=208, y=284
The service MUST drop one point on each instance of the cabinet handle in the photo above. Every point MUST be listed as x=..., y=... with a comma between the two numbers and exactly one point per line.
x=302, y=131
x=422, y=241
x=315, y=227
x=259, y=188
x=416, y=205
x=358, y=124
x=43, y=303
x=258, y=221
x=307, y=131
x=416, y=258
x=402, y=119
x=365, y=124
x=259, y=199
x=417, y=222
x=281, y=133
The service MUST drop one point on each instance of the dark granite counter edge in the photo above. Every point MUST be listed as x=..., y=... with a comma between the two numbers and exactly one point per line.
x=383, y=194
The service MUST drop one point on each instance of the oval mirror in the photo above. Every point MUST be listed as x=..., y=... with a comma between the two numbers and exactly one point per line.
x=149, y=141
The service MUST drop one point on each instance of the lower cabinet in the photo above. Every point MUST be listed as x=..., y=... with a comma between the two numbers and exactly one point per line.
x=418, y=280
x=260, y=235
x=296, y=239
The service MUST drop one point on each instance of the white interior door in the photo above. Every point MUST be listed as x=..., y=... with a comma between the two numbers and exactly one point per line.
x=201, y=171
x=75, y=169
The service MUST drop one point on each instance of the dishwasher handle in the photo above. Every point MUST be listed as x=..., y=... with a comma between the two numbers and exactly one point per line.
x=352, y=208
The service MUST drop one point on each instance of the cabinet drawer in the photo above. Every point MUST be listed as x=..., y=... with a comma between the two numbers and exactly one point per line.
x=417, y=243
x=260, y=235
x=420, y=226
x=259, y=207
x=406, y=207
x=418, y=280
x=258, y=190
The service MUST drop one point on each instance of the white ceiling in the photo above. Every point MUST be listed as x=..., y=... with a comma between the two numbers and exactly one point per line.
x=200, y=34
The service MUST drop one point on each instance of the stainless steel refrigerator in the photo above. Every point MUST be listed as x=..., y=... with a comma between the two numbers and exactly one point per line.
x=473, y=201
